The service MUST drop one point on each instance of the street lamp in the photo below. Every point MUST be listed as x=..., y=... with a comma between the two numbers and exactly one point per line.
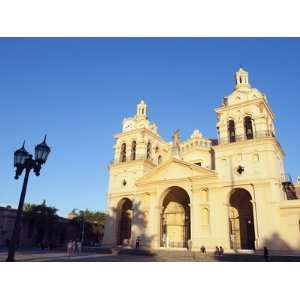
x=82, y=233
x=24, y=161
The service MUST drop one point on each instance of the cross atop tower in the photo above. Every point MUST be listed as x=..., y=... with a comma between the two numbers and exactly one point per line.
x=242, y=79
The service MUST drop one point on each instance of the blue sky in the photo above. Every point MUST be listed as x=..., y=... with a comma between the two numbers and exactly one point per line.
x=79, y=90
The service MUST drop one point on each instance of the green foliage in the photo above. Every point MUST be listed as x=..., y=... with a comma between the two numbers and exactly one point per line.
x=42, y=221
x=92, y=222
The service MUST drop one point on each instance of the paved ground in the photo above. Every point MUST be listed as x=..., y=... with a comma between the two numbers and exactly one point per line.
x=159, y=256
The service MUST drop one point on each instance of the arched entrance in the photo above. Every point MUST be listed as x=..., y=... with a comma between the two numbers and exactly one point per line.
x=241, y=223
x=175, y=219
x=125, y=219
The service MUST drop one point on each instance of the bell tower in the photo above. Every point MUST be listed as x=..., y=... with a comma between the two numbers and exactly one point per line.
x=247, y=145
x=245, y=113
x=242, y=79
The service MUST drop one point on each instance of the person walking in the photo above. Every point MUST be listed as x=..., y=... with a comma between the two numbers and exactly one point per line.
x=79, y=247
x=217, y=251
x=73, y=248
x=69, y=248
x=221, y=251
x=203, y=250
x=137, y=243
x=266, y=253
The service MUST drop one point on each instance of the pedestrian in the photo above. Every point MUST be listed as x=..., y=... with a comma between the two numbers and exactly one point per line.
x=203, y=250
x=79, y=247
x=221, y=251
x=217, y=251
x=137, y=242
x=73, y=248
x=69, y=248
x=266, y=253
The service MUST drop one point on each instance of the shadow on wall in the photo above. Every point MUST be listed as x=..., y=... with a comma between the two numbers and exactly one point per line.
x=275, y=242
x=139, y=225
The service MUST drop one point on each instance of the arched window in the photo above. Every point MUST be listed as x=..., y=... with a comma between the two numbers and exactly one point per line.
x=248, y=128
x=148, y=156
x=133, y=150
x=159, y=159
x=123, y=152
x=231, y=131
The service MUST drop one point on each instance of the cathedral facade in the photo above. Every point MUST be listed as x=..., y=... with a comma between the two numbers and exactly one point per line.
x=231, y=191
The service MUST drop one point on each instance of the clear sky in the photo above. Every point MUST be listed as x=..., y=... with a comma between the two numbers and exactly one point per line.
x=79, y=90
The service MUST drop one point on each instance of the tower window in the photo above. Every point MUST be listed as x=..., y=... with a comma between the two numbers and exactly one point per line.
x=241, y=81
x=123, y=152
x=133, y=150
x=248, y=128
x=148, y=156
x=231, y=131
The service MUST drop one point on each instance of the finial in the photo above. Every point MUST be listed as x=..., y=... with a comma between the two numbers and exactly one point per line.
x=23, y=146
x=44, y=141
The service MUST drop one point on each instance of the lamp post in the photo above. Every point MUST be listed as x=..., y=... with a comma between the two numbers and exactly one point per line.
x=82, y=233
x=24, y=161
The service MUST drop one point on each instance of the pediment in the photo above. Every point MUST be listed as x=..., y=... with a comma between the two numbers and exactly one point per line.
x=174, y=169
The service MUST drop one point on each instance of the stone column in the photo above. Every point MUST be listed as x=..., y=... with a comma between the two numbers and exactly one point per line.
x=194, y=222
x=267, y=213
x=154, y=223
x=256, y=229
x=111, y=228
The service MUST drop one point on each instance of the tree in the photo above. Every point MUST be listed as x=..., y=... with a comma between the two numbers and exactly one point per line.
x=42, y=222
x=92, y=223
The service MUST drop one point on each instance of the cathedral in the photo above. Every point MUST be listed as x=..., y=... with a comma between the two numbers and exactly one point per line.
x=231, y=191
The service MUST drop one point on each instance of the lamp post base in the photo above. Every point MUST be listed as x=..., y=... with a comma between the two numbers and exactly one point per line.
x=10, y=259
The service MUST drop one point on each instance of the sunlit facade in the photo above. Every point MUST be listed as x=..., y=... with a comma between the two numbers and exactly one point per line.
x=231, y=191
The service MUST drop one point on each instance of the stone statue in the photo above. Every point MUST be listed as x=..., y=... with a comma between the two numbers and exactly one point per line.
x=175, y=144
x=175, y=138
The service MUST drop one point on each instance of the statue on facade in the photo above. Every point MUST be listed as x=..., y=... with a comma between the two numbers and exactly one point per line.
x=175, y=138
x=175, y=144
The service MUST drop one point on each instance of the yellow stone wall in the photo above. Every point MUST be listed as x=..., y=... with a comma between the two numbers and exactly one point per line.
x=208, y=173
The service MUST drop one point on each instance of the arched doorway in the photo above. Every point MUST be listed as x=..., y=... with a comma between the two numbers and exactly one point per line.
x=241, y=223
x=125, y=220
x=175, y=219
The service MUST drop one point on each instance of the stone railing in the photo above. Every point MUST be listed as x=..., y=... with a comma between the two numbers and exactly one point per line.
x=129, y=159
x=243, y=137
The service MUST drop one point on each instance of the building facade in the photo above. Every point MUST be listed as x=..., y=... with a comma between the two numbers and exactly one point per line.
x=230, y=191
x=30, y=234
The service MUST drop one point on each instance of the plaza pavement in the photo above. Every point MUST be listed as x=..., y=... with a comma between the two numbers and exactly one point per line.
x=158, y=256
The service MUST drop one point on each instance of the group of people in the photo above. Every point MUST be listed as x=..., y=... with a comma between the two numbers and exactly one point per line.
x=74, y=248
x=218, y=252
